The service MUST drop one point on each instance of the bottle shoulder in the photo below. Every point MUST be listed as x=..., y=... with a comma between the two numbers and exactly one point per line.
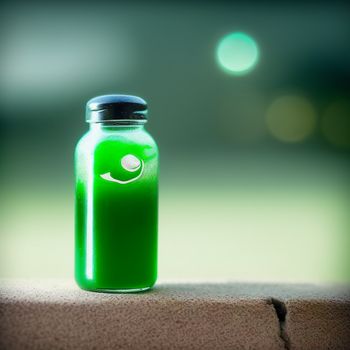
x=92, y=140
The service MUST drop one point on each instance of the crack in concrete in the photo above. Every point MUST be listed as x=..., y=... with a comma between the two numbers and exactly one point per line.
x=281, y=312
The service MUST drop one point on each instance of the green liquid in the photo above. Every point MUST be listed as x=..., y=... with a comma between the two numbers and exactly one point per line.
x=116, y=223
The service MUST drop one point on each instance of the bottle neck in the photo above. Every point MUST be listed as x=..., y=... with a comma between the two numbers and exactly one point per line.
x=118, y=126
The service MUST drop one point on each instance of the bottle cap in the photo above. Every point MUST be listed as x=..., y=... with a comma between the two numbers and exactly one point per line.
x=118, y=108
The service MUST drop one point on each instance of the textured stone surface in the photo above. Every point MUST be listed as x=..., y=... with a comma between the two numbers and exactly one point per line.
x=318, y=324
x=57, y=315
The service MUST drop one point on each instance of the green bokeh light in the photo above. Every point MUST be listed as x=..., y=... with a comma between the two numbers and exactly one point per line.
x=237, y=53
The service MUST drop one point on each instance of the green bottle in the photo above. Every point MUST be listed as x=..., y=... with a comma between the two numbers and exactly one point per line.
x=116, y=214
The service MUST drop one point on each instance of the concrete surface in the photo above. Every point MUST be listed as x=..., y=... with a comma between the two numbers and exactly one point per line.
x=52, y=314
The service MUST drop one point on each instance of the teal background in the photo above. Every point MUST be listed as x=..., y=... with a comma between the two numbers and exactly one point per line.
x=236, y=202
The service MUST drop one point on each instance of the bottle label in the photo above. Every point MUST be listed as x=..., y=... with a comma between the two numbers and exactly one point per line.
x=129, y=163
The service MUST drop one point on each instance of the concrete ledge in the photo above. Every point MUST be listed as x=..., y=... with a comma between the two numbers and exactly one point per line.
x=57, y=315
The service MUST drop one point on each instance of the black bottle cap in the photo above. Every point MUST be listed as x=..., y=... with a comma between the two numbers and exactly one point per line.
x=116, y=108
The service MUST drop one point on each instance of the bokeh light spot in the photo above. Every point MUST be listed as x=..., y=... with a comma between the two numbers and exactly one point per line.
x=336, y=123
x=291, y=118
x=237, y=53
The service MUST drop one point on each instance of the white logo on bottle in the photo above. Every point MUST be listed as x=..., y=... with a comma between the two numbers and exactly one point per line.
x=129, y=163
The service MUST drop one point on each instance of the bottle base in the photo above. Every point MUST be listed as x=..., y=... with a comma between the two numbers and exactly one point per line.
x=116, y=291
x=93, y=286
x=121, y=291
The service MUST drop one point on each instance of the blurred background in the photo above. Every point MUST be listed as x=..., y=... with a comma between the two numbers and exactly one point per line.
x=249, y=103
